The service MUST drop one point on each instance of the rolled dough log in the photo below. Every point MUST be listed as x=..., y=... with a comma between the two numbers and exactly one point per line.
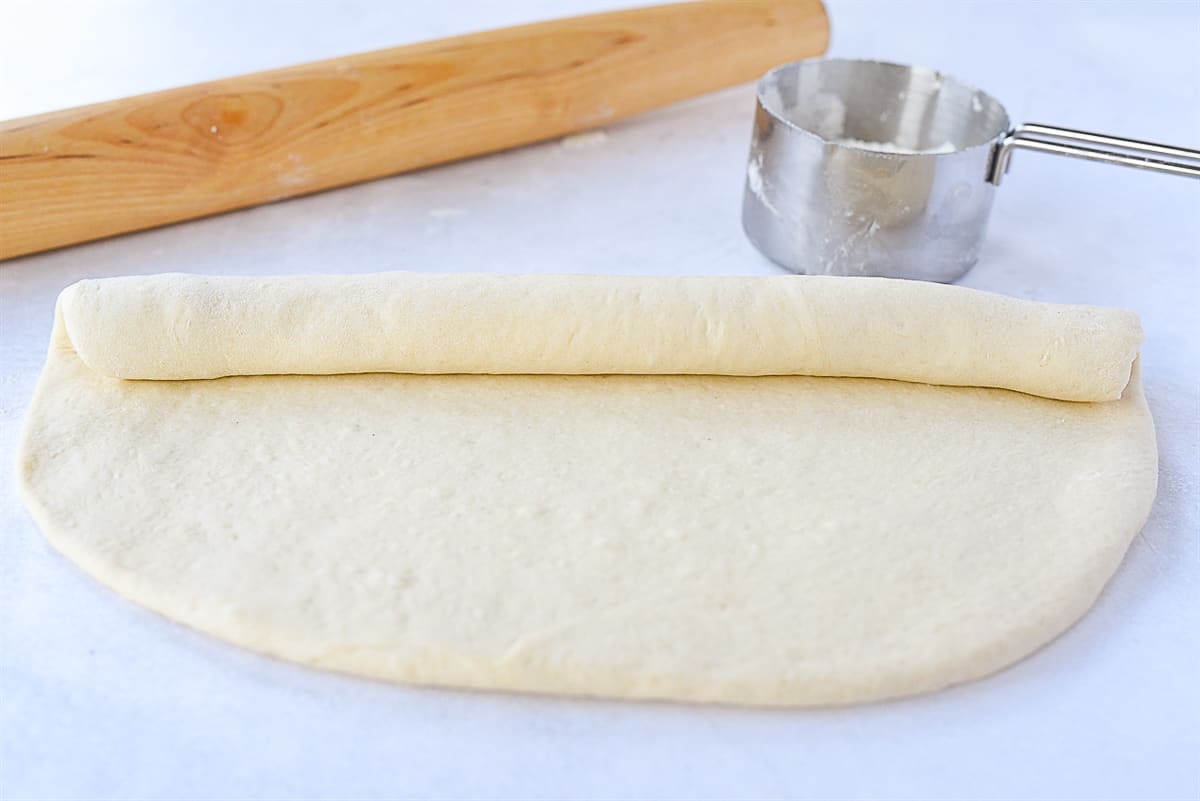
x=774, y=540
x=184, y=327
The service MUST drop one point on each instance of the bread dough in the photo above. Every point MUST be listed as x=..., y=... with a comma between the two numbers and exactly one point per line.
x=774, y=540
x=184, y=327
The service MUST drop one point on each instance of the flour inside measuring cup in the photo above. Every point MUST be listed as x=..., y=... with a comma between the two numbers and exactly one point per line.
x=889, y=147
x=828, y=120
x=829, y=116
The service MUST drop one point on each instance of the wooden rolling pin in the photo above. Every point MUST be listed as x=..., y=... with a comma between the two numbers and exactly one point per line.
x=94, y=171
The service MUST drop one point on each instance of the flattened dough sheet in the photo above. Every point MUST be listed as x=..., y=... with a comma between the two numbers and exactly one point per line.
x=779, y=540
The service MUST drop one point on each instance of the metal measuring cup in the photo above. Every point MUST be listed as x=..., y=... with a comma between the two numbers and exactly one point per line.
x=870, y=168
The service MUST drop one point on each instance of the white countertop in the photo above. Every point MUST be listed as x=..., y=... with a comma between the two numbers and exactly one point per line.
x=101, y=699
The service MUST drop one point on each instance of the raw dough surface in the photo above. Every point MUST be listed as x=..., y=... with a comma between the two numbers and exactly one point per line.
x=779, y=540
x=184, y=327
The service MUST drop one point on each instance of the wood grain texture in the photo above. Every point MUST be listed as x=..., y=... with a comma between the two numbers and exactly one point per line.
x=94, y=171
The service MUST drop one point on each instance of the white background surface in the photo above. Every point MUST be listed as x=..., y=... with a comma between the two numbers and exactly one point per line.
x=101, y=699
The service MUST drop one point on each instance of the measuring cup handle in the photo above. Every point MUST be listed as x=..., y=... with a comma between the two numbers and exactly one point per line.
x=1066, y=142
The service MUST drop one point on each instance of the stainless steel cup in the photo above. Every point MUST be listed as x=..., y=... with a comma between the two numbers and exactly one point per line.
x=870, y=168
